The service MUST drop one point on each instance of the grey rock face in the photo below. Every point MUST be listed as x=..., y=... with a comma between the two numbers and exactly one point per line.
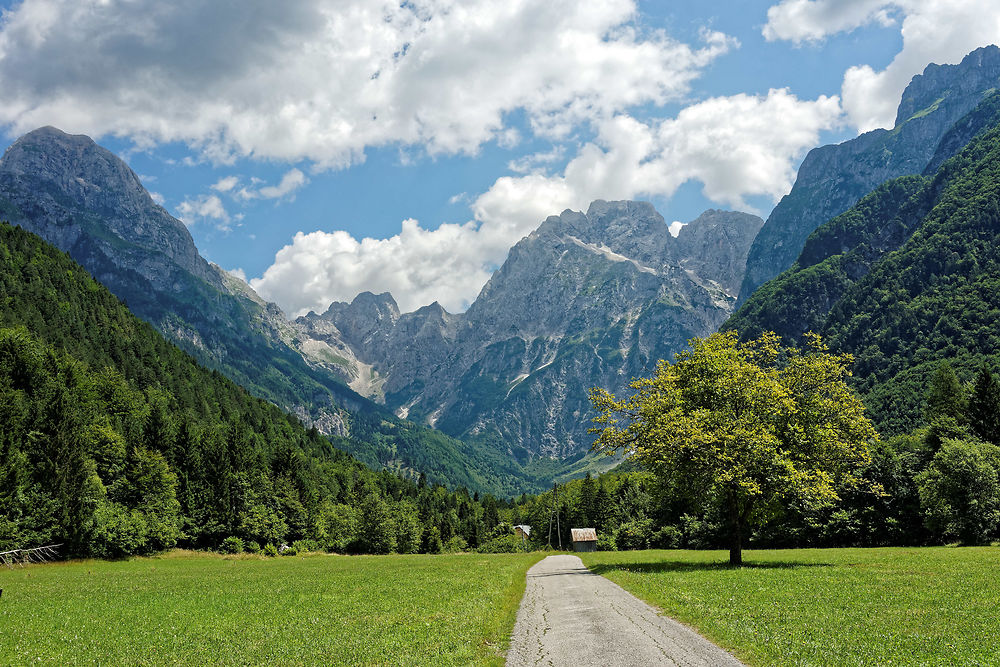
x=86, y=201
x=586, y=299
x=833, y=178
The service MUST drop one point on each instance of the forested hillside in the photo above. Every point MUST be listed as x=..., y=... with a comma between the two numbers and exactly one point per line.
x=113, y=441
x=83, y=199
x=905, y=279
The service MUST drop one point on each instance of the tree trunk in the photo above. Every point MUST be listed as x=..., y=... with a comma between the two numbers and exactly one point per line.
x=736, y=545
x=736, y=522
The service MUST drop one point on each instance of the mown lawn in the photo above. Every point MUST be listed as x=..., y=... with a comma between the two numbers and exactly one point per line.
x=194, y=609
x=919, y=606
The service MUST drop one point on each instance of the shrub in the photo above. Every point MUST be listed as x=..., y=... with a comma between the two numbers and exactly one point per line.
x=960, y=491
x=231, y=545
x=456, y=544
x=305, y=546
x=606, y=542
x=270, y=550
x=251, y=547
x=634, y=534
x=505, y=544
x=668, y=537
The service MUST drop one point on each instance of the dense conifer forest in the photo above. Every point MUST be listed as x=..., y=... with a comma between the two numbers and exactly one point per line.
x=114, y=442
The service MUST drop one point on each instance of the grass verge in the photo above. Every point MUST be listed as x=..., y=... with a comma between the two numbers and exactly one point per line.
x=897, y=606
x=202, y=609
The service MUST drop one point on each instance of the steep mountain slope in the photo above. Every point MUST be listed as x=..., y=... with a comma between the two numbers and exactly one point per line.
x=586, y=299
x=87, y=202
x=832, y=178
x=114, y=441
x=906, y=278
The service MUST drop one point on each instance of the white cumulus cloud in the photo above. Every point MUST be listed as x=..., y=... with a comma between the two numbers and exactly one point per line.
x=226, y=184
x=203, y=207
x=938, y=31
x=735, y=146
x=322, y=80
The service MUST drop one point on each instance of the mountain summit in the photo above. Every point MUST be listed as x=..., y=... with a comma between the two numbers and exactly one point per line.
x=833, y=178
x=586, y=299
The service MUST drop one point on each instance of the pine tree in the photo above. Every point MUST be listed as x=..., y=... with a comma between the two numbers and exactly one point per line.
x=945, y=398
x=984, y=407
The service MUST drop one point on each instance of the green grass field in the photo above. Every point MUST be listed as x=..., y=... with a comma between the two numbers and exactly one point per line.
x=185, y=608
x=921, y=606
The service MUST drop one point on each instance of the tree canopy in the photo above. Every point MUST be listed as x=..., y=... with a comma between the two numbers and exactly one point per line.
x=749, y=423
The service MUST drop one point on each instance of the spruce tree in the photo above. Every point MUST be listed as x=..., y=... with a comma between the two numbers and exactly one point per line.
x=984, y=407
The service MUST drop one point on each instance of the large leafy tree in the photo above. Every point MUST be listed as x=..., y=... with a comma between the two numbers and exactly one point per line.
x=751, y=423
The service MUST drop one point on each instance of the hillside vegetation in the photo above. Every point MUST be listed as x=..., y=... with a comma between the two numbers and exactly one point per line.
x=114, y=442
x=905, y=279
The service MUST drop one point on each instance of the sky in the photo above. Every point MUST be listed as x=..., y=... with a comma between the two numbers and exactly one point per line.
x=320, y=148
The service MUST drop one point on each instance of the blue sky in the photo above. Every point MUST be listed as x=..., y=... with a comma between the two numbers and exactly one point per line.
x=285, y=134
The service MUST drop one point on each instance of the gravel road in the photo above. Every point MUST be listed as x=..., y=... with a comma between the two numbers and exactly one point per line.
x=571, y=616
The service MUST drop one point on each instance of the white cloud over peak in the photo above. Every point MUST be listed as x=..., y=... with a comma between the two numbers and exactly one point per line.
x=203, y=207
x=735, y=146
x=290, y=182
x=322, y=80
x=938, y=31
x=226, y=184
x=813, y=20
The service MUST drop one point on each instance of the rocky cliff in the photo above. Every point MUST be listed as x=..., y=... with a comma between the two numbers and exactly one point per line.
x=587, y=299
x=832, y=178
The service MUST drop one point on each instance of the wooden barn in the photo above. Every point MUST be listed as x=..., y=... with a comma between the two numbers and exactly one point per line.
x=584, y=539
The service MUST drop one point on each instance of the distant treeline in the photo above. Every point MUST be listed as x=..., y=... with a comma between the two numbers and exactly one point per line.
x=938, y=484
x=114, y=442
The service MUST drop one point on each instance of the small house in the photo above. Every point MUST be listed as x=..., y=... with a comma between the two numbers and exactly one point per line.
x=584, y=539
x=523, y=531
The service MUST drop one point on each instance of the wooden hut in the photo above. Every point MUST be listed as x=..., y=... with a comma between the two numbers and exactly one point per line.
x=584, y=539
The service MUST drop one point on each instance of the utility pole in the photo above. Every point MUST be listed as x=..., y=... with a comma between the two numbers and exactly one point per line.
x=552, y=510
x=558, y=529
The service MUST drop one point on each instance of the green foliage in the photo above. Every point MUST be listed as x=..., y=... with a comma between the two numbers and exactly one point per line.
x=960, y=491
x=749, y=424
x=270, y=550
x=945, y=399
x=114, y=442
x=984, y=407
x=231, y=545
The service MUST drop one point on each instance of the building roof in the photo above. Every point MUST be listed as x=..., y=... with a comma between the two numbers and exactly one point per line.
x=524, y=528
x=584, y=534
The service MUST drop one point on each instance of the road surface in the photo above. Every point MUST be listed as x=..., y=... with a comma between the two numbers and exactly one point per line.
x=571, y=616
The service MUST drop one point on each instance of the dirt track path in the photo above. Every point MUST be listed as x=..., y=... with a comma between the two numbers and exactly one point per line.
x=571, y=616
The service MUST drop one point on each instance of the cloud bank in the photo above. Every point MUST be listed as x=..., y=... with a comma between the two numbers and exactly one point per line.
x=736, y=146
x=938, y=31
x=320, y=80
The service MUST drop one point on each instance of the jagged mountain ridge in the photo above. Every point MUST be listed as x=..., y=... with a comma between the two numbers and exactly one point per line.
x=87, y=202
x=586, y=299
x=905, y=279
x=833, y=178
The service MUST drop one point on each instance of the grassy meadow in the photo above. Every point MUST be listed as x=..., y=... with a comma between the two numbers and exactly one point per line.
x=893, y=606
x=186, y=608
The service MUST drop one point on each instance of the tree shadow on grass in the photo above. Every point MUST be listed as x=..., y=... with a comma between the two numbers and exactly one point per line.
x=688, y=566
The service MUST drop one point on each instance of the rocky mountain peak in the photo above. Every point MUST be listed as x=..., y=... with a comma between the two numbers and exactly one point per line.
x=92, y=175
x=68, y=189
x=715, y=246
x=977, y=72
x=366, y=314
x=630, y=228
